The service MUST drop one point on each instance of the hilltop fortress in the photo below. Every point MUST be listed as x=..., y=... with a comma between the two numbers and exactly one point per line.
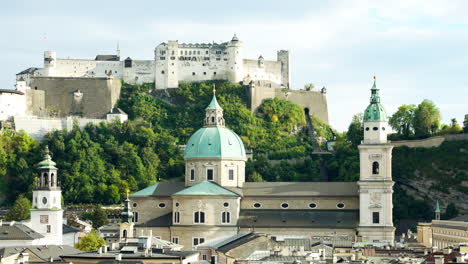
x=91, y=88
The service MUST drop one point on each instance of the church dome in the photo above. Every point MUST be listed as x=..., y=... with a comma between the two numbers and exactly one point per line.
x=375, y=112
x=215, y=142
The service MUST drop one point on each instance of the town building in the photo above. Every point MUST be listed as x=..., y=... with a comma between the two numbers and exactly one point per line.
x=214, y=200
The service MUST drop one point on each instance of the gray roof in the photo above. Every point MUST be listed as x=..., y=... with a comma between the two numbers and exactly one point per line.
x=107, y=58
x=217, y=243
x=202, y=45
x=11, y=91
x=300, y=189
x=296, y=243
x=42, y=252
x=164, y=220
x=28, y=70
x=18, y=232
x=139, y=255
x=299, y=218
x=238, y=242
x=283, y=259
x=70, y=229
x=461, y=218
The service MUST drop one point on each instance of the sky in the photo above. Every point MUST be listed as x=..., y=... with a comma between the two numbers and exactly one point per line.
x=417, y=49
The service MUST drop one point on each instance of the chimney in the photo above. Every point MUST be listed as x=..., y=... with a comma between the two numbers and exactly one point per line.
x=104, y=249
x=118, y=257
x=51, y=259
x=100, y=250
x=150, y=233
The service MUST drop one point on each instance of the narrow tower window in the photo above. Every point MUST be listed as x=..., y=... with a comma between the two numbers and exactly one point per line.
x=225, y=217
x=192, y=174
x=209, y=174
x=375, y=217
x=375, y=168
x=231, y=174
x=176, y=217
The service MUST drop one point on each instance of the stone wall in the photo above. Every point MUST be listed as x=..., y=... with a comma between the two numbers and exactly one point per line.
x=300, y=203
x=87, y=97
x=429, y=142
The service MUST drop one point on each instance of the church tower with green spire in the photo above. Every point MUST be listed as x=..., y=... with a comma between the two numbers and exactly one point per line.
x=375, y=182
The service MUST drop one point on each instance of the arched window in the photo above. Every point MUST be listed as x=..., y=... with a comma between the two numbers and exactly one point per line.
x=52, y=181
x=46, y=179
x=124, y=233
x=225, y=217
x=375, y=168
x=199, y=217
x=212, y=119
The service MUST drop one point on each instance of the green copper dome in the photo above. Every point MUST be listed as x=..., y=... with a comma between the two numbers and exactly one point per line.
x=215, y=142
x=375, y=111
x=47, y=163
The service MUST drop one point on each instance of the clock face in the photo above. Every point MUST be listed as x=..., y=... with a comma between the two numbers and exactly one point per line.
x=44, y=200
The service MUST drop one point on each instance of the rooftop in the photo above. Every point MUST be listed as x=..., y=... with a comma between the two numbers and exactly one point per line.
x=206, y=188
x=18, y=232
x=300, y=189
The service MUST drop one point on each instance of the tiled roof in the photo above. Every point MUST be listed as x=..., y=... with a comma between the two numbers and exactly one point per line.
x=42, y=252
x=160, y=189
x=206, y=188
x=28, y=70
x=300, y=189
x=18, y=232
x=70, y=229
x=107, y=58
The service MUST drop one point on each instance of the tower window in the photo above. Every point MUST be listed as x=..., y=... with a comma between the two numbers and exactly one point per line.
x=48, y=229
x=176, y=217
x=257, y=205
x=375, y=168
x=340, y=205
x=199, y=217
x=225, y=217
x=284, y=205
x=209, y=174
x=192, y=174
x=212, y=119
x=193, y=73
x=231, y=174
x=375, y=128
x=367, y=128
x=162, y=205
x=162, y=72
x=124, y=233
x=313, y=205
x=375, y=217
x=226, y=204
x=135, y=217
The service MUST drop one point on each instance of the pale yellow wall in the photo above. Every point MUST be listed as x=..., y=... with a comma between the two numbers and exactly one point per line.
x=300, y=202
x=148, y=207
x=220, y=167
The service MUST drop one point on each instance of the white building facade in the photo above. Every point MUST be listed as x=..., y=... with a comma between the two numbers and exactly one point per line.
x=173, y=62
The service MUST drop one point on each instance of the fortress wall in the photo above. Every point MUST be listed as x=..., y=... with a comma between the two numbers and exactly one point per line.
x=271, y=71
x=429, y=142
x=142, y=71
x=35, y=102
x=37, y=128
x=258, y=94
x=12, y=104
x=316, y=102
x=98, y=95
x=187, y=68
x=86, y=68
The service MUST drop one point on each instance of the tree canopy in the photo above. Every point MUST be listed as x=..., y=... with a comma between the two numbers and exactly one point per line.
x=20, y=210
x=90, y=242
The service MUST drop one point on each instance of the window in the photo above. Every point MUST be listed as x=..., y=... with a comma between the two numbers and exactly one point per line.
x=212, y=119
x=225, y=217
x=313, y=205
x=204, y=257
x=177, y=204
x=175, y=240
x=162, y=205
x=192, y=174
x=135, y=217
x=257, y=205
x=199, y=217
x=209, y=174
x=367, y=129
x=383, y=128
x=124, y=233
x=48, y=229
x=176, y=217
x=52, y=181
x=375, y=168
x=162, y=72
x=340, y=205
x=375, y=217
x=375, y=128
x=284, y=205
x=193, y=73
x=231, y=174
x=226, y=204
x=204, y=73
x=213, y=260
x=162, y=58
x=214, y=73
x=198, y=240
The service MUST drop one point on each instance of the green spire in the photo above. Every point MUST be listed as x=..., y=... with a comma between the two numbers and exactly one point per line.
x=47, y=163
x=437, y=208
x=214, y=103
x=127, y=214
x=375, y=111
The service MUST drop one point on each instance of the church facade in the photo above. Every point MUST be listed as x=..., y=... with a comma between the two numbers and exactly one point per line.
x=214, y=201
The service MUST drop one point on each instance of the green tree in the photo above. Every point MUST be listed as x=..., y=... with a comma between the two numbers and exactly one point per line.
x=355, y=132
x=426, y=119
x=309, y=87
x=90, y=242
x=255, y=177
x=465, y=124
x=20, y=210
x=99, y=217
x=450, y=212
x=402, y=120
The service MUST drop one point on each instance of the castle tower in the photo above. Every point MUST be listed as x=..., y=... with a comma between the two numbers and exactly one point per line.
x=283, y=57
x=166, y=65
x=235, y=61
x=214, y=152
x=50, y=63
x=437, y=211
x=375, y=183
x=46, y=212
x=126, y=226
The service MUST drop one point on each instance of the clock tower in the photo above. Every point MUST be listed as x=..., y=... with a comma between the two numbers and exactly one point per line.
x=375, y=182
x=46, y=212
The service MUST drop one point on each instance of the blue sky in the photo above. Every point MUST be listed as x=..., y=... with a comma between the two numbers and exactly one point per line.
x=417, y=49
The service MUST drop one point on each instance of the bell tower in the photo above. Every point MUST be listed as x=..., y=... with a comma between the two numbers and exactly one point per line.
x=375, y=183
x=46, y=212
x=127, y=225
x=214, y=113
